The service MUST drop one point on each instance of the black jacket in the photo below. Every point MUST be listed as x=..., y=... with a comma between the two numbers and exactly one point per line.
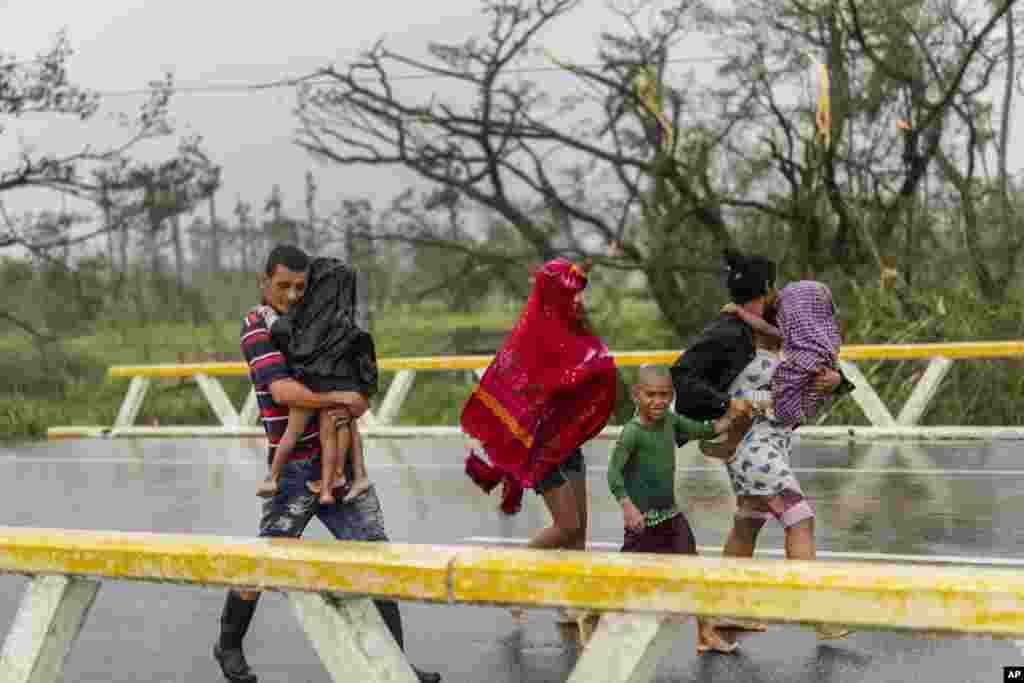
x=702, y=375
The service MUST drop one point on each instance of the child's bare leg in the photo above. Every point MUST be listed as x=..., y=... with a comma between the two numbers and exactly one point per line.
x=297, y=418
x=328, y=460
x=360, y=480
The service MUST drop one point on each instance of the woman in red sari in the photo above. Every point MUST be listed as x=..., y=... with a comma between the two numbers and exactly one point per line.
x=548, y=390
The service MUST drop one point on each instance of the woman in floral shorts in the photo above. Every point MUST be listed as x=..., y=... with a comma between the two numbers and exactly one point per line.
x=779, y=384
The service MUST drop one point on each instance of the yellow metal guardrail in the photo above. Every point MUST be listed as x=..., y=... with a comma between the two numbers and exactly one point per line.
x=381, y=423
x=330, y=584
x=982, y=600
x=958, y=350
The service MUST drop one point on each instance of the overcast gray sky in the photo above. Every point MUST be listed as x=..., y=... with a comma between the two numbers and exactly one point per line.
x=122, y=44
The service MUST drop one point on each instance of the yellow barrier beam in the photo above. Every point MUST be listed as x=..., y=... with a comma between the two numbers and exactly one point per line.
x=178, y=370
x=978, y=600
x=887, y=596
x=407, y=572
x=995, y=349
x=624, y=358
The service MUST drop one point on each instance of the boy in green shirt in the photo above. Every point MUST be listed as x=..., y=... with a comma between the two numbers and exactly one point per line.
x=641, y=476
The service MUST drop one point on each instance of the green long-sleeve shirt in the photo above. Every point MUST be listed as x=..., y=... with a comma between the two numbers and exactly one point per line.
x=643, y=463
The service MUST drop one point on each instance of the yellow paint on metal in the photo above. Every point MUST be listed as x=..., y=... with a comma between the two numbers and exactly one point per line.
x=945, y=599
x=934, y=599
x=383, y=569
x=178, y=371
x=1005, y=349
x=55, y=433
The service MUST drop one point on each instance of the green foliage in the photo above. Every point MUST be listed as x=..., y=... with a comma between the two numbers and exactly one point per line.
x=71, y=300
x=871, y=315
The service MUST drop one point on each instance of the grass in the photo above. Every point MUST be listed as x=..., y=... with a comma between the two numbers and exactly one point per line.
x=38, y=393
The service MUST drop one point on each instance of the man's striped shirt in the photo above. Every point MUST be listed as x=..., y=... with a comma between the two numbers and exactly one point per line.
x=267, y=364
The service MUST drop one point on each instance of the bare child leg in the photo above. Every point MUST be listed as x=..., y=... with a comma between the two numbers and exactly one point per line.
x=329, y=456
x=360, y=480
x=297, y=418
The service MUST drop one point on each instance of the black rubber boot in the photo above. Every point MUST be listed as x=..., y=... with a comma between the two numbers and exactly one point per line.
x=393, y=618
x=234, y=622
x=427, y=676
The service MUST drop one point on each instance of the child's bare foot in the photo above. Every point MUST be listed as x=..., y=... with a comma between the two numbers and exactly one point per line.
x=315, y=486
x=587, y=622
x=267, y=488
x=710, y=640
x=327, y=497
x=359, y=487
x=741, y=625
x=831, y=631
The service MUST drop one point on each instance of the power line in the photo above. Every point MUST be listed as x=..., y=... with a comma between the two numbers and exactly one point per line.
x=291, y=82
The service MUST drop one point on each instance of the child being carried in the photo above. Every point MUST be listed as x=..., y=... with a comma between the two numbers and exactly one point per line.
x=328, y=351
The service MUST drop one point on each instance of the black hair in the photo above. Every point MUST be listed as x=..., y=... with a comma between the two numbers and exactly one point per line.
x=733, y=259
x=747, y=277
x=287, y=255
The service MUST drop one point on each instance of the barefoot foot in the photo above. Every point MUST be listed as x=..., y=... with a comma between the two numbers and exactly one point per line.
x=740, y=625
x=359, y=487
x=831, y=632
x=587, y=623
x=709, y=640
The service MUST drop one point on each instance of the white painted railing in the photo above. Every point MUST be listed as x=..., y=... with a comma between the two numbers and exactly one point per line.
x=642, y=598
x=382, y=424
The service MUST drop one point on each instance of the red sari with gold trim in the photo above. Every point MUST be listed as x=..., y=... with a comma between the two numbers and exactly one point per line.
x=549, y=389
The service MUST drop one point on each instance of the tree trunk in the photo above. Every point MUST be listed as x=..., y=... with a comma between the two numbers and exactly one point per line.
x=243, y=228
x=215, y=260
x=179, y=256
x=311, y=242
x=123, y=245
x=668, y=296
x=109, y=227
x=1013, y=240
x=153, y=246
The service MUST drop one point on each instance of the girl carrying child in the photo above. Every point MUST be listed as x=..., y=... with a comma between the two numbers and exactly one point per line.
x=782, y=390
x=328, y=351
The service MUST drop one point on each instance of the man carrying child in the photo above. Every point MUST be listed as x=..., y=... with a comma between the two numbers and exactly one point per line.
x=294, y=505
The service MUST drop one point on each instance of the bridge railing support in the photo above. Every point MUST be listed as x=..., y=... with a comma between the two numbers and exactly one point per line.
x=883, y=425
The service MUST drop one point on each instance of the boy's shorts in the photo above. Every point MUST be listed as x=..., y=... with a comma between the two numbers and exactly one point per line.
x=789, y=508
x=670, y=537
x=572, y=467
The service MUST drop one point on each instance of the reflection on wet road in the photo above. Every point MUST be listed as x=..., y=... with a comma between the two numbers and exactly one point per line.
x=949, y=500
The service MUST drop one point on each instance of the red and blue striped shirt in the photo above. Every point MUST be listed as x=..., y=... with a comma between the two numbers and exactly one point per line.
x=266, y=365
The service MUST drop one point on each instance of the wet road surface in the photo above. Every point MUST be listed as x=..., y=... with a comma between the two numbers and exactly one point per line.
x=937, y=500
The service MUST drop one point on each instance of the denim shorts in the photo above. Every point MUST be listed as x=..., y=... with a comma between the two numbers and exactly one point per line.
x=289, y=512
x=572, y=467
